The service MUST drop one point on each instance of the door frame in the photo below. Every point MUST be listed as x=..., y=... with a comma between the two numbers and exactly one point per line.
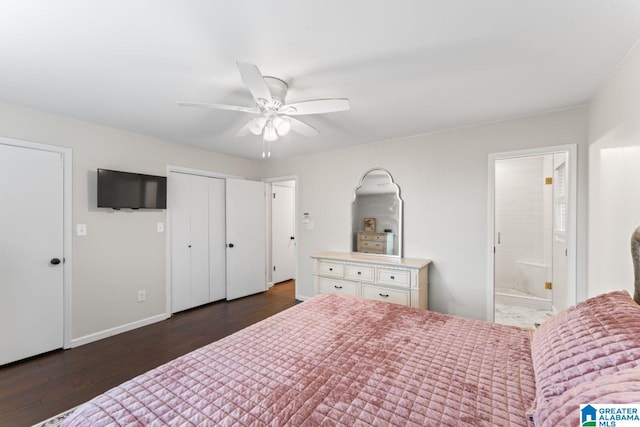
x=270, y=181
x=167, y=220
x=67, y=237
x=572, y=177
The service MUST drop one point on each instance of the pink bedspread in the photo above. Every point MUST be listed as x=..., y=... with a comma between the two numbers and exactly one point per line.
x=336, y=360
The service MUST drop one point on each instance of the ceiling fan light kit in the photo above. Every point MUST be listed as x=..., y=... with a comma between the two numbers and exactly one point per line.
x=282, y=125
x=269, y=94
x=269, y=133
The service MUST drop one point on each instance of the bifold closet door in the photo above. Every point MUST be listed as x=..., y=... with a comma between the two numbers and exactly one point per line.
x=217, y=240
x=197, y=240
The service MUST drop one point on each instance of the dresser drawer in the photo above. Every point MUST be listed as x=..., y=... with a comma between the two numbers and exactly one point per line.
x=394, y=277
x=372, y=237
x=395, y=296
x=333, y=286
x=331, y=269
x=364, y=246
x=360, y=272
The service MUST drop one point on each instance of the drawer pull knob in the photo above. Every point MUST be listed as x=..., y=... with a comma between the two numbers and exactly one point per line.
x=331, y=269
x=337, y=287
x=393, y=277
x=384, y=295
x=359, y=272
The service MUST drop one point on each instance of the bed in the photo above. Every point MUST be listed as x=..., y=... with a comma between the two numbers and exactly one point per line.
x=343, y=361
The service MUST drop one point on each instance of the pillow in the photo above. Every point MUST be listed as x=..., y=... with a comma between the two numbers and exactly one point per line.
x=599, y=336
x=621, y=387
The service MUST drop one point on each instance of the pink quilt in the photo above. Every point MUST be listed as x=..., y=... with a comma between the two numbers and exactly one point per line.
x=336, y=360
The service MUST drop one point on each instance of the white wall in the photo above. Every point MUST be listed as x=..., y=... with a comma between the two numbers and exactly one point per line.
x=614, y=177
x=123, y=252
x=443, y=181
x=443, y=178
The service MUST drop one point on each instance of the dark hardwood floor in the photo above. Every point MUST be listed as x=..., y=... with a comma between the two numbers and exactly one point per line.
x=43, y=386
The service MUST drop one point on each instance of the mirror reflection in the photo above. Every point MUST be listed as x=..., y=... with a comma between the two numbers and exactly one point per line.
x=376, y=215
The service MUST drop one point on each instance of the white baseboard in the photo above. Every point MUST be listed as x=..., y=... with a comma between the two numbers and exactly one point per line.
x=75, y=342
x=302, y=298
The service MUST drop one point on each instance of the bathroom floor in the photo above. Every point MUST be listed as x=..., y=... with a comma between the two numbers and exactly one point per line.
x=523, y=317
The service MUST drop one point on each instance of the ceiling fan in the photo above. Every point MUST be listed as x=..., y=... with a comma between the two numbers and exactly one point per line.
x=274, y=116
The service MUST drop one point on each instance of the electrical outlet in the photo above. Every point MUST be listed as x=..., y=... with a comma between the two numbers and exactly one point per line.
x=142, y=296
x=81, y=229
x=160, y=227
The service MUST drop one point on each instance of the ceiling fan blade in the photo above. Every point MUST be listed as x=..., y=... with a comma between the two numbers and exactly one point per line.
x=303, y=128
x=316, y=106
x=218, y=106
x=255, y=82
x=244, y=130
x=257, y=123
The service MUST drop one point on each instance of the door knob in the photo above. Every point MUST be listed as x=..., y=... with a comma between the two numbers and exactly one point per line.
x=230, y=245
x=55, y=261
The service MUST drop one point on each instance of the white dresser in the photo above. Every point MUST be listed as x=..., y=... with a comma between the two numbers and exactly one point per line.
x=397, y=280
x=374, y=243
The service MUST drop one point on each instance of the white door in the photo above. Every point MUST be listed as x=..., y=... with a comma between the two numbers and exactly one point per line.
x=31, y=252
x=178, y=199
x=217, y=239
x=246, y=237
x=199, y=240
x=197, y=209
x=282, y=233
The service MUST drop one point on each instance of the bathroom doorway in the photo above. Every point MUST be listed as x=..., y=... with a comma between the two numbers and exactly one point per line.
x=532, y=221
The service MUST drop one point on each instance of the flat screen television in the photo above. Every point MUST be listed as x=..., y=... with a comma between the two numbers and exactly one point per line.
x=122, y=190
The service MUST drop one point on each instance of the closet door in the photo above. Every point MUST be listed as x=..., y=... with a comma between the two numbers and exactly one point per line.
x=179, y=189
x=217, y=239
x=246, y=238
x=199, y=240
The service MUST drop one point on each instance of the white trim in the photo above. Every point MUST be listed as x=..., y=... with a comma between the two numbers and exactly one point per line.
x=67, y=226
x=192, y=171
x=572, y=177
x=295, y=230
x=282, y=178
x=117, y=330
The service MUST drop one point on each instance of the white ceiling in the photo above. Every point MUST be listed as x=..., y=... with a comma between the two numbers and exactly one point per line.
x=408, y=66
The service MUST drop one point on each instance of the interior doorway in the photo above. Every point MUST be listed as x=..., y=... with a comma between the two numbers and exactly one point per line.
x=532, y=224
x=35, y=187
x=282, y=232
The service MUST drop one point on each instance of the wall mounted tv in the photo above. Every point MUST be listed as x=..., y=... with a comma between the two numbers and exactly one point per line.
x=121, y=190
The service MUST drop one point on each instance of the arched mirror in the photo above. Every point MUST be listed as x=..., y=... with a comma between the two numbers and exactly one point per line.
x=376, y=215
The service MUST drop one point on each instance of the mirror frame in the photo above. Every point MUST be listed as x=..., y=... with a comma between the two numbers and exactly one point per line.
x=400, y=215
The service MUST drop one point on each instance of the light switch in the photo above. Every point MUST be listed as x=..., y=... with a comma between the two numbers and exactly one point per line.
x=160, y=227
x=81, y=229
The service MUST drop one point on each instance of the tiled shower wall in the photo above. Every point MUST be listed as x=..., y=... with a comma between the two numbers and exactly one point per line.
x=523, y=219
